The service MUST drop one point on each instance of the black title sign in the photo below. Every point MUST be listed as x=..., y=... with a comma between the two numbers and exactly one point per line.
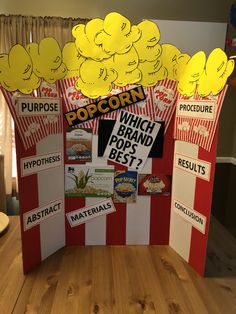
x=103, y=106
x=105, y=129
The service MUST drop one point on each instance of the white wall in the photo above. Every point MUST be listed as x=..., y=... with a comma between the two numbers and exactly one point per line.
x=201, y=10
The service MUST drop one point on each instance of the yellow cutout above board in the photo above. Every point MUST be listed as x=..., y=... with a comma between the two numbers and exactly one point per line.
x=113, y=51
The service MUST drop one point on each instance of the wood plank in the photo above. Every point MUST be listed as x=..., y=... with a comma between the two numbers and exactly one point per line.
x=111, y=279
x=147, y=293
x=4, y=222
x=74, y=288
x=37, y=295
x=221, y=251
x=11, y=270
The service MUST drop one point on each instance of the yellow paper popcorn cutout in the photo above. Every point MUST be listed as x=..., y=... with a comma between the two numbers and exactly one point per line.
x=181, y=62
x=169, y=58
x=85, y=39
x=152, y=72
x=16, y=71
x=117, y=35
x=124, y=78
x=72, y=59
x=191, y=73
x=147, y=46
x=218, y=69
x=126, y=67
x=113, y=51
x=95, y=80
x=4, y=70
x=47, y=59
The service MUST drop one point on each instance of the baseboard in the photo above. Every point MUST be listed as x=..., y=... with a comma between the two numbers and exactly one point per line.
x=226, y=160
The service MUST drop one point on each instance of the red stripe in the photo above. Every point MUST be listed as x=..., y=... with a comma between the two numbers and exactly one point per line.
x=165, y=164
x=28, y=199
x=160, y=205
x=75, y=235
x=202, y=204
x=160, y=220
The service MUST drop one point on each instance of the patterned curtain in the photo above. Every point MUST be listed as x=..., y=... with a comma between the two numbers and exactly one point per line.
x=23, y=30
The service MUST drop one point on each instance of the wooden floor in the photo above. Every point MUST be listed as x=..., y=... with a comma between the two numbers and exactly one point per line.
x=125, y=280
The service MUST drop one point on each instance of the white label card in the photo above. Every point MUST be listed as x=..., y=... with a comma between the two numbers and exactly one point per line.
x=36, y=216
x=34, y=164
x=80, y=216
x=195, y=218
x=197, y=167
x=196, y=109
x=32, y=106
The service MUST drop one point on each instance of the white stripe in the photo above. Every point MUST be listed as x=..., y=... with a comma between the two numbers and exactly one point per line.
x=95, y=230
x=51, y=187
x=138, y=216
x=183, y=190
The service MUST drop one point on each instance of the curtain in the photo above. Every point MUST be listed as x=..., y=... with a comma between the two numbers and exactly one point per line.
x=23, y=30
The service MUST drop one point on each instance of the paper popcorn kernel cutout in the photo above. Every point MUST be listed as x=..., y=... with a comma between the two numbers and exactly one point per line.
x=201, y=130
x=50, y=119
x=16, y=71
x=185, y=126
x=130, y=54
x=191, y=73
x=152, y=72
x=47, y=59
x=72, y=59
x=147, y=46
x=181, y=62
x=117, y=35
x=169, y=56
x=125, y=78
x=125, y=66
x=85, y=40
x=95, y=80
x=32, y=128
x=218, y=69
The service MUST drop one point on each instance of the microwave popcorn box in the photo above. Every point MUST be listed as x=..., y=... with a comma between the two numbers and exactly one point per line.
x=89, y=181
x=79, y=144
x=125, y=186
x=154, y=184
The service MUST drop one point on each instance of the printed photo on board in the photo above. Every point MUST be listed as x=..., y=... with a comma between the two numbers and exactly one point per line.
x=79, y=144
x=88, y=181
x=125, y=187
x=154, y=184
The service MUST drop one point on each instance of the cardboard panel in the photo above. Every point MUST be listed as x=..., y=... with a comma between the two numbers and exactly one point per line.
x=180, y=220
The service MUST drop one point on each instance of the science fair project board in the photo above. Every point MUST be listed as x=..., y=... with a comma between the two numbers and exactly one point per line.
x=195, y=147
x=95, y=127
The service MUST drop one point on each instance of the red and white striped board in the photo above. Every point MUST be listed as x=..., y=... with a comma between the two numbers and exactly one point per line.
x=36, y=191
x=196, y=130
x=32, y=129
x=146, y=222
x=191, y=202
x=143, y=222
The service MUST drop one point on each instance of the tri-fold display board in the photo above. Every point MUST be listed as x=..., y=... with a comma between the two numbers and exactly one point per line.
x=116, y=135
